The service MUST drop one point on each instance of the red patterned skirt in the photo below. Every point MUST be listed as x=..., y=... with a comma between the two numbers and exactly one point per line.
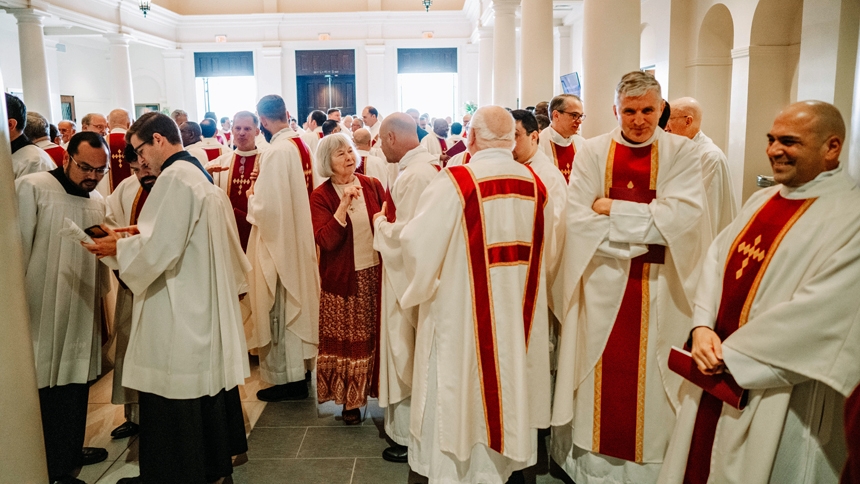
x=348, y=343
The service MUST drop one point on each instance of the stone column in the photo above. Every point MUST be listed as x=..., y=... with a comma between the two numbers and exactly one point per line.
x=504, y=53
x=123, y=90
x=610, y=50
x=34, y=65
x=375, y=75
x=485, y=63
x=269, y=69
x=536, y=66
x=173, y=79
x=565, y=54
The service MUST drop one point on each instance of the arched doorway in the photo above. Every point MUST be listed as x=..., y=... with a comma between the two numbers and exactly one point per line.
x=711, y=72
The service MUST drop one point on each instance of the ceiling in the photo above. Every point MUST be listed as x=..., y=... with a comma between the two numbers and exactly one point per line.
x=233, y=7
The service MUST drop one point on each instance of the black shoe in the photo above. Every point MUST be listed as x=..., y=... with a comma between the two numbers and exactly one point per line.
x=93, y=455
x=308, y=375
x=67, y=480
x=396, y=453
x=288, y=391
x=130, y=480
x=127, y=429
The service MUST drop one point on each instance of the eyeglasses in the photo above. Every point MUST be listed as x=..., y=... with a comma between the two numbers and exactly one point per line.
x=88, y=169
x=575, y=116
x=137, y=149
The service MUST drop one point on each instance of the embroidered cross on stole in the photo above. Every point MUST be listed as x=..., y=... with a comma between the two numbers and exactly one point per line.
x=563, y=157
x=119, y=169
x=307, y=163
x=483, y=258
x=747, y=261
x=240, y=180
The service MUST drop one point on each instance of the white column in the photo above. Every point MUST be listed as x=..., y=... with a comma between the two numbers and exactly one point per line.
x=269, y=69
x=288, y=80
x=485, y=63
x=375, y=72
x=34, y=66
x=53, y=79
x=565, y=54
x=123, y=90
x=854, y=134
x=536, y=67
x=504, y=53
x=174, y=86
x=738, y=118
x=610, y=50
x=468, y=61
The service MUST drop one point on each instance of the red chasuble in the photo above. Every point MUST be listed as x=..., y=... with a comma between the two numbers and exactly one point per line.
x=563, y=157
x=619, y=376
x=57, y=153
x=212, y=153
x=746, y=264
x=482, y=258
x=119, y=169
x=240, y=180
x=307, y=165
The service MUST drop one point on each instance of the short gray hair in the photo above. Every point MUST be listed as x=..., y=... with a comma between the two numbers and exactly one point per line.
x=328, y=145
x=36, y=127
x=558, y=103
x=635, y=84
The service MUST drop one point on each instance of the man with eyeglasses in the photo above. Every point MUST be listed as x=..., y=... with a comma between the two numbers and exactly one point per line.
x=560, y=141
x=95, y=122
x=26, y=157
x=64, y=285
x=632, y=250
x=186, y=354
x=686, y=120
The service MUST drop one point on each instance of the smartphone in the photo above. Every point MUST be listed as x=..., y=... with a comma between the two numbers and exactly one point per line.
x=95, y=232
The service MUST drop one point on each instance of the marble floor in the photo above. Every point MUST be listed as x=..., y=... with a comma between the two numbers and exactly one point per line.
x=288, y=442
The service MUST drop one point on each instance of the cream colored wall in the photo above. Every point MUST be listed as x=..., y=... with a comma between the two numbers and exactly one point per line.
x=231, y=7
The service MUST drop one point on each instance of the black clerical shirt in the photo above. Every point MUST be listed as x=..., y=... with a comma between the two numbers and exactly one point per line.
x=67, y=184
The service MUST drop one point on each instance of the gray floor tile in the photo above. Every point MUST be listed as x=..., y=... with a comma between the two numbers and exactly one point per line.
x=275, y=443
x=357, y=441
x=304, y=471
x=379, y=471
x=304, y=413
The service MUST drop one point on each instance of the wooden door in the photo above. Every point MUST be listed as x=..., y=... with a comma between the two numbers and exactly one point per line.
x=313, y=93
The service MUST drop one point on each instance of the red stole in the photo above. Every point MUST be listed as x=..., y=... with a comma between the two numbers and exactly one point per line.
x=361, y=168
x=442, y=144
x=746, y=264
x=321, y=134
x=212, y=153
x=307, y=165
x=467, y=158
x=227, y=135
x=137, y=206
x=482, y=258
x=240, y=179
x=57, y=153
x=563, y=157
x=619, y=376
x=119, y=169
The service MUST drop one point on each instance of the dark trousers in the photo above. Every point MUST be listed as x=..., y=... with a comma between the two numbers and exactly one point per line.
x=188, y=441
x=64, y=423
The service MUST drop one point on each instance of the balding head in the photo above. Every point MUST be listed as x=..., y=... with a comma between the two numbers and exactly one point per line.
x=118, y=118
x=491, y=127
x=805, y=141
x=686, y=117
x=94, y=122
x=361, y=138
x=398, y=135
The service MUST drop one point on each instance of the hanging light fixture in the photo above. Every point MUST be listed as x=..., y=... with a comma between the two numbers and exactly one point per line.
x=427, y=4
x=145, y=6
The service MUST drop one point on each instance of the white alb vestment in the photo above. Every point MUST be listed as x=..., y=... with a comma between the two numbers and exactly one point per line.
x=397, y=327
x=121, y=206
x=594, y=274
x=186, y=270
x=721, y=201
x=375, y=166
x=285, y=284
x=201, y=149
x=312, y=139
x=64, y=282
x=549, y=135
x=31, y=159
x=433, y=143
x=481, y=341
x=797, y=352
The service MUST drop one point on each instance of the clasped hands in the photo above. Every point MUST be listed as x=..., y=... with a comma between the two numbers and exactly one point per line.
x=106, y=246
x=707, y=351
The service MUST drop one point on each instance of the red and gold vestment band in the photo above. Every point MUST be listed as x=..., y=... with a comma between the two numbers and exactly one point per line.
x=137, y=206
x=563, y=157
x=307, y=163
x=240, y=180
x=619, y=376
x=748, y=259
x=119, y=169
x=482, y=258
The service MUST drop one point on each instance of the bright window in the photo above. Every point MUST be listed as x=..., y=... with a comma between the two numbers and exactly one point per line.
x=434, y=94
x=226, y=95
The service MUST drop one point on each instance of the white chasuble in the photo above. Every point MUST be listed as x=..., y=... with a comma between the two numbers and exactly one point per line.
x=627, y=282
x=186, y=269
x=64, y=282
x=796, y=344
x=285, y=283
x=473, y=255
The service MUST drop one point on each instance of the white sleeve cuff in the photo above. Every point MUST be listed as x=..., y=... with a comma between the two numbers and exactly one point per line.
x=752, y=374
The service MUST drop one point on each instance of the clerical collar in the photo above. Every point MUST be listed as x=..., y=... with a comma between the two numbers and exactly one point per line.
x=67, y=184
x=184, y=155
x=618, y=135
x=250, y=152
x=20, y=142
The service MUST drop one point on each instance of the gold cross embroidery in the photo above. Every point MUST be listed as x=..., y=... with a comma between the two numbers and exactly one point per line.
x=118, y=157
x=750, y=251
x=630, y=185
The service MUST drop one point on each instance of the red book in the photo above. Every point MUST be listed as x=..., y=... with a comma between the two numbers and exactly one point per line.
x=722, y=386
x=458, y=148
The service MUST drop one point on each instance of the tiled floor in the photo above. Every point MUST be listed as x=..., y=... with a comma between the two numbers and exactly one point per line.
x=289, y=442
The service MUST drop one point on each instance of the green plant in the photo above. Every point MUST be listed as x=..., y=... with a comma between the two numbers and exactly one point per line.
x=471, y=107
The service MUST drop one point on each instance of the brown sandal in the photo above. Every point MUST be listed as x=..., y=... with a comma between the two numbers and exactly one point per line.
x=351, y=417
